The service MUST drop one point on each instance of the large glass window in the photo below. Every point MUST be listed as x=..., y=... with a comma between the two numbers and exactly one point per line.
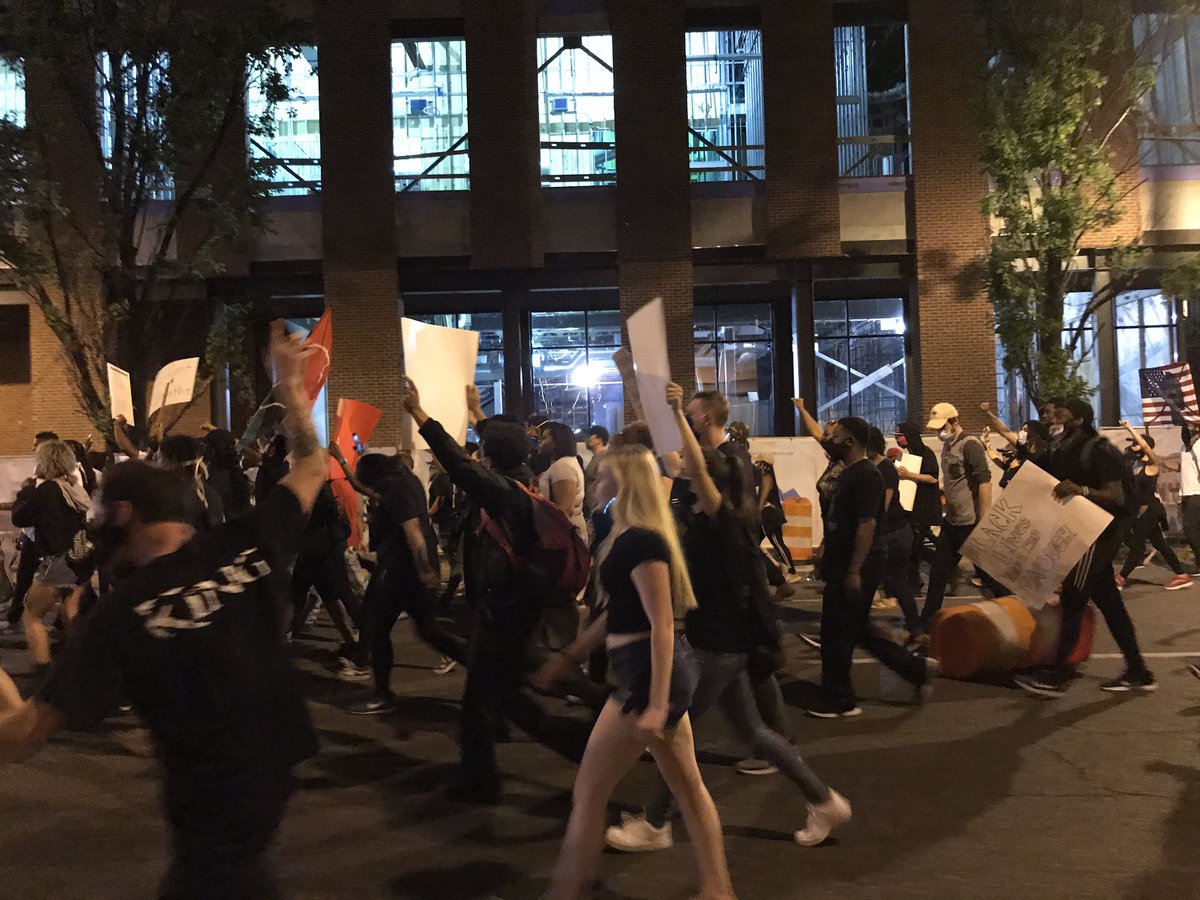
x=574, y=378
x=12, y=92
x=489, y=367
x=577, y=117
x=734, y=355
x=725, y=105
x=872, y=99
x=1171, y=135
x=1147, y=336
x=129, y=101
x=429, y=115
x=294, y=148
x=860, y=360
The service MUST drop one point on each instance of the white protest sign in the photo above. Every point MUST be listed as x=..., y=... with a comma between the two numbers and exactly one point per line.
x=1029, y=541
x=908, y=489
x=174, y=383
x=441, y=363
x=120, y=393
x=648, y=341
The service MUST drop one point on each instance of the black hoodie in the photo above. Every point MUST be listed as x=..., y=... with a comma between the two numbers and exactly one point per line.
x=927, y=508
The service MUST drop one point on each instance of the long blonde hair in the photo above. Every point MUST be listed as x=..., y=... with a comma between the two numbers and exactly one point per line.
x=641, y=503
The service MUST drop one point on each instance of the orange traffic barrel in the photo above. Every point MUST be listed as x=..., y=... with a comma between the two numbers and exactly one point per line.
x=798, y=529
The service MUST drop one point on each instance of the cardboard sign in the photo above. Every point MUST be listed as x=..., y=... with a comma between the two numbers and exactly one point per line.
x=652, y=367
x=174, y=383
x=120, y=393
x=908, y=489
x=441, y=362
x=1029, y=541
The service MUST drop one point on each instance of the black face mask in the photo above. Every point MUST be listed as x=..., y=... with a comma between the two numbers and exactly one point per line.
x=106, y=541
x=835, y=450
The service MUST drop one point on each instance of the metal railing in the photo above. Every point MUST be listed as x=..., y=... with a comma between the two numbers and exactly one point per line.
x=883, y=155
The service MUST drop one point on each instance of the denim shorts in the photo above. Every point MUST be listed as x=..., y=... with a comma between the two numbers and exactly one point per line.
x=629, y=670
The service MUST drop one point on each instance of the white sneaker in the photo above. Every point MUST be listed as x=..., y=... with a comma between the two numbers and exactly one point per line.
x=445, y=666
x=822, y=819
x=636, y=835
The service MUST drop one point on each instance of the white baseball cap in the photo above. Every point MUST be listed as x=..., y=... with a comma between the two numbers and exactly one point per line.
x=940, y=414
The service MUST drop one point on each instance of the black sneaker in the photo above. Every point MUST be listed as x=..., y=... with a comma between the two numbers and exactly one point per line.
x=1046, y=685
x=1131, y=681
x=1194, y=670
x=375, y=705
x=823, y=709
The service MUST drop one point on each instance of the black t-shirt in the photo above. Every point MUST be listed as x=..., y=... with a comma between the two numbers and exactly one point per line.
x=927, y=507
x=716, y=552
x=195, y=640
x=858, y=496
x=1091, y=461
x=403, y=499
x=896, y=516
x=629, y=549
x=441, y=488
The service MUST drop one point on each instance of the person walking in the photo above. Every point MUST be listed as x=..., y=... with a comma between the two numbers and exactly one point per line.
x=644, y=586
x=1150, y=514
x=1088, y=466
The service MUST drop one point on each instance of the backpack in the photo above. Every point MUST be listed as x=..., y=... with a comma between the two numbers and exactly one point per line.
x=559, y=559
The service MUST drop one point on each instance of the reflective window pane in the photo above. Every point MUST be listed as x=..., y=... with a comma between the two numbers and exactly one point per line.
x=577, y=118
x=725, y=105
x=294, y=148
x=429, y=115
x=12, y=92
x=735, y=355
x=861, y=368
x=574, y=378
x=871, y=72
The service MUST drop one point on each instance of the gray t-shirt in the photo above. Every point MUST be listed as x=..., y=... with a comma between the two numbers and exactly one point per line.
x=964, y=469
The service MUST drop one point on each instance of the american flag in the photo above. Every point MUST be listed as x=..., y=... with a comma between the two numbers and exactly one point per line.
x=1169, y=395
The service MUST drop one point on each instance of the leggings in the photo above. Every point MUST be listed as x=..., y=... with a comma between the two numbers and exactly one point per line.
x=1148, y=527
x=323, y=568
x=724, y=681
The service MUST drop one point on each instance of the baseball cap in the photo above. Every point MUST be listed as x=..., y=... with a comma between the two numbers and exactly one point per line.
x=939, y=414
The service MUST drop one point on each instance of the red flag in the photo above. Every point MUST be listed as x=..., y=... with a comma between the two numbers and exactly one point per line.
x=353, y=417
x=319, y=350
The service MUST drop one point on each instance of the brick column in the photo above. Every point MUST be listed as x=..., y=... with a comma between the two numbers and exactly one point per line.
x=72, y=164
x=507, y=221
x=799, y=95
x=358, y=207
x=654, y=221
x=957, y=356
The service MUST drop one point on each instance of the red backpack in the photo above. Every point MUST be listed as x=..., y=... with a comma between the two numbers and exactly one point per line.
x=559, y=558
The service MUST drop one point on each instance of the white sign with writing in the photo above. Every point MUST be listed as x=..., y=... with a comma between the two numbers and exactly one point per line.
x=648, y=341
x=1029, y=541
x=174, y=383
x=120, y=393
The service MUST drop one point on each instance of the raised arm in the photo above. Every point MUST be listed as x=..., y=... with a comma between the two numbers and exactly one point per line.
x=812, y=425
x=702, y=483
x=624, y=362
x=121, y=437
x=351, y=476
x=475, y=413
x=1001, y=429
x=1151, y=456
x=309, y=461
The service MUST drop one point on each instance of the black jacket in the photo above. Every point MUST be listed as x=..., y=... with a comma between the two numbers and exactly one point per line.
x=490, y=574
x=54, y=521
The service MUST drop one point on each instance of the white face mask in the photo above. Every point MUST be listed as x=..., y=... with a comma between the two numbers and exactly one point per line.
x=1022, y=437
x=946, y=435
x=1056, y=430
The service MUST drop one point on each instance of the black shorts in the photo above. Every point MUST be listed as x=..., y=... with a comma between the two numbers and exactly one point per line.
x=629, y=669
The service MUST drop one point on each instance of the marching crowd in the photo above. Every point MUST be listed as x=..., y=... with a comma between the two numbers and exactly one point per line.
x=637, y=586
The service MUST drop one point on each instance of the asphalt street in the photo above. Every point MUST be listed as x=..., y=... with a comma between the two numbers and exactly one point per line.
x=982, y=793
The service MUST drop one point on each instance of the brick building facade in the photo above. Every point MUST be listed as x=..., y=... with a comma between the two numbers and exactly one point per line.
x=793, y=241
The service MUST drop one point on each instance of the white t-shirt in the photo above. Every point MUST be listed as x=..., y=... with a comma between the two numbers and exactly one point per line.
x=1189, y=472
x=566, y=469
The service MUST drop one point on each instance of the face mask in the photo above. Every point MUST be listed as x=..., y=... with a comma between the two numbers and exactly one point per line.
x=1056, y=429
x=835, y=450
x=1022, y=437
x=946, y=435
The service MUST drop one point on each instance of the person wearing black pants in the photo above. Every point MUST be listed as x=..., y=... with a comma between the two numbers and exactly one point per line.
x=853, y=565
x=896, y=534
x=967, y=486
x=1150, y=513
x=27, y=566
x=1089, y=466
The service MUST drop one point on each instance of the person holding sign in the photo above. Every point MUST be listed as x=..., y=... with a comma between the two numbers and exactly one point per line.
x=1150, y=514
x=1089, y=466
